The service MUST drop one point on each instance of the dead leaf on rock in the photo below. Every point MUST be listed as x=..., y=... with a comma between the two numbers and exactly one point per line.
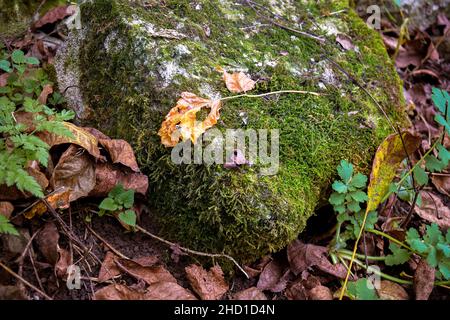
x=433, y=210
x=120, y=152
x=58, y=200
x=46, y=90
x=424, y=280
x=391, y=291
x=345, y=41
x=251, y=293
x=108, y=269
x=117, y=292
x=209, y=285
x=274, y=277
x=320, y=293
x=75, y=170
x=168, y=291
x=302, y=256
x=55, y=15
x=6, y=208
x=80, y=137
x=108, y=175
x=181, y=121
x=237, y=82
x=150, y=274
x=47, y=242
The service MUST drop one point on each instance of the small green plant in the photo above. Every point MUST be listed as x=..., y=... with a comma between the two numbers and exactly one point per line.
x=6, y=226
x=362, y=289
x=347, y=198
x=119, y=201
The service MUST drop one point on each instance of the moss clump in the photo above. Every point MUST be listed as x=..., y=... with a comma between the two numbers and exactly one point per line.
x=133, y=63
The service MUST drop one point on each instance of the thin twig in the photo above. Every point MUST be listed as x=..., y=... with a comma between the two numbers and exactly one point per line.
x=198, y=253
x=117, y=252
x=15, y=275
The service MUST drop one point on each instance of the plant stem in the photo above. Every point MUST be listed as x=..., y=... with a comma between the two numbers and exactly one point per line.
x=361, y=256
x=381, y=233
x=270, y=93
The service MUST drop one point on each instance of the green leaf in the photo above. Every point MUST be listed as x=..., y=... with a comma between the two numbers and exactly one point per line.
x=116, y=191
x=7, y=227
x=440, y=120
x=353, y=206
x=432, y=259
x=18, y=56
x=440, y=98
x=25, y=182
x=433, y=164
x=339, y=209
x=444, y=248
x=128, y=217
x=359, y=181
x=362, y=289
x=337, y=198
x=108, y=204
x=345, y=171
x=32, y=60
x=444, y=154
x=5, y=66
x=444, y=268
x=420, y=176
x=433, y=235
x=359, y=196
x=126, y=198
x=398, y=256
x=339, y=186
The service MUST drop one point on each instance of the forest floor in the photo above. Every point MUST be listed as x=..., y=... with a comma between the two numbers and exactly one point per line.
x=120, y=264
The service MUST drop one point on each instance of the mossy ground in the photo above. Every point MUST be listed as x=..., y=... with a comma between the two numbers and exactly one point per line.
x=125, y=79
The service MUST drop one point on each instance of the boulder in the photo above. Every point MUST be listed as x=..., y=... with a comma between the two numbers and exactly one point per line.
x=128, y=64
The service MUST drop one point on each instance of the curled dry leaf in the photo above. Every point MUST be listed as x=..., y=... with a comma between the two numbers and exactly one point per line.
x=433, y=210
x=209, y=285
x=80, y=137
x=55, y=15
x=47, y=242
x=442, y=184
x=96, y=133
x=6, y=209
x=296, y=291
x=181, y=121
x=108, y=269
x=251, y=293
x=58, y=200
x=320, y=293
x=46, y=90
x=108, y=175
x=302, y=256
x=387, y=160
x=389, y=290
x=75, y=170
x=150, y=274
x=64, y=261
x=120, y=152
x=424, y=280
x=168, y=291
x=274, y=277
x=237, y=82
x=118, y=292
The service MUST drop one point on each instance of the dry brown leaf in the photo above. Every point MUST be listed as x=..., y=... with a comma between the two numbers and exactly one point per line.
x=46, y=90
x=4, y=79
x=64, y=261
x=209, y=285
x=237, y=82
x=274, y=277
x=251, y=293
x=34, y=171
x=80, y=137
x=6, y=209
x=55, y=15
x=150, y=274
x=320, y=293
x=391, y=291
x=117, y=292
x=345, y=41
x=96, y=133
x=120, y=152
x=58, y=200
x=108, y=269
x=424, y=280
x=75, y=170
x=181, y=121
x=47, y=242
x=108, y=175
x=16, y=292
x=442, y=183
x=303, y=256
x=168, y=291
x=433, y=210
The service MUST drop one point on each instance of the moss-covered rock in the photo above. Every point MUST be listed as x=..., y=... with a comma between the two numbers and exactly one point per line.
x=16, y=15
x=129, y=63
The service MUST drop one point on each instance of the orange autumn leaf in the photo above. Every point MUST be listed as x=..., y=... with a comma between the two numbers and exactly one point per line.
x=58, y=200
x=237, y=82
x=181, y=121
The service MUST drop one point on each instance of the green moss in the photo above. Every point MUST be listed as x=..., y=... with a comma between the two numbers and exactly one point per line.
x=124, y=78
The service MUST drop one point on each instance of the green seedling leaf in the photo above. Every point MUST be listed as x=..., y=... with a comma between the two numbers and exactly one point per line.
x=359, y=196
x=362, y=289
x=126, y=198
x=420, y=176
x=359, y=181
x=337, y=198
x=398, y=256
x=339, y=186
x=18, y=56
x=345, y=171
x=108, y=204
x=7, y=227
x=5, y=66
x=128, y=217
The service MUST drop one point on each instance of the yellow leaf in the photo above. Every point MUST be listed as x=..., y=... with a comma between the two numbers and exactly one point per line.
x=181, y=121
x=237, y=82
x=58, y=200
x=387, y=160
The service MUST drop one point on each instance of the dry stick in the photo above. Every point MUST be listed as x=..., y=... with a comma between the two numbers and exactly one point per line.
x=36, y=273
x=198, y=253
x=7, y=269
x=117, y=252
